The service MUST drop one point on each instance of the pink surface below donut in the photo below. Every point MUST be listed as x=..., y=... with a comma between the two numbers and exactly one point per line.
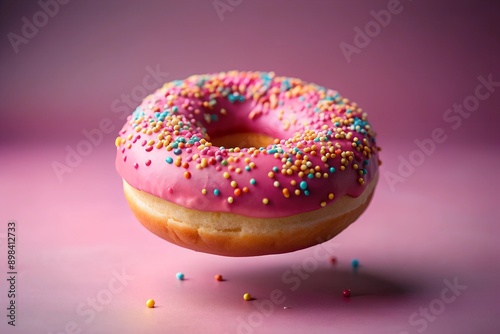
x=324, y=146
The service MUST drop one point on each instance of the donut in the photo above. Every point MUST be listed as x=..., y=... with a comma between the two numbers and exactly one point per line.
x=247, y=163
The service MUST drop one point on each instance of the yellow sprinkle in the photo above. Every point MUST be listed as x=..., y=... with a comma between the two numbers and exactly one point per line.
x=265, y=201
x=247, y=296
x=204, y=191
x=234, y=184
x=330, y=196
x=323, y=204
x=118, y=141
x=150, y=303
x=270, y=174
x=230, y=200
x=226, y=175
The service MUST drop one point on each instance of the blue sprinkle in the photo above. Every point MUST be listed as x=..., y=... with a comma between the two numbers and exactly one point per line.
x=216, y=192
x=332, y=170
x=177, y=151
x=138, y=113
x=285, y=85
x=364, y=171
x=169, y=160
x=214, y=117
x=247, y=168
x=252, y=181
x=355, y=263
x=306, y=192
x=366, y=162
x=303, y=185
x=275, y=169
x=175, y=109
x=272, y=151
x=180, y=276
x=310, y=176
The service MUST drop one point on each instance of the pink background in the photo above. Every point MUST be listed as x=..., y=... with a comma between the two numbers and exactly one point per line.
x=75, y=232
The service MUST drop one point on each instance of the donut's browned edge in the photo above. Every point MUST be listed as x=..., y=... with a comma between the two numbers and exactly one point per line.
x=235, y=235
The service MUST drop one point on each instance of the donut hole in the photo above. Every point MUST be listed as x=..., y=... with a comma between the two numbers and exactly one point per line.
x=242, y=140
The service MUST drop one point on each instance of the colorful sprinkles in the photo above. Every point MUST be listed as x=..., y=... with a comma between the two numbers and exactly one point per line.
x=321, y=137
x=150, y=303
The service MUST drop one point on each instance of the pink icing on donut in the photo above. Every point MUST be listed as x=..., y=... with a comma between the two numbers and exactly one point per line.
x=325, y=147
